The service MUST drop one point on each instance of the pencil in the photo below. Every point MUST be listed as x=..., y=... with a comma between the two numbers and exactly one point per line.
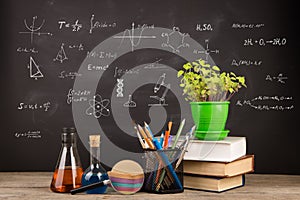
x=178, y=133
x=149, y=142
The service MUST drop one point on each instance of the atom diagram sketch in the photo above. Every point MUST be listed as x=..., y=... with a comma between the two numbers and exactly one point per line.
x=98, y=107
x=175, y=40
x=131, y=36
x=33, y=29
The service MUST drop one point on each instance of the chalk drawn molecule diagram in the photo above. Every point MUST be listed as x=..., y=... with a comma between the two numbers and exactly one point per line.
x=98, y=107
x=207, y=51
x=33, y=29
x=175, y=40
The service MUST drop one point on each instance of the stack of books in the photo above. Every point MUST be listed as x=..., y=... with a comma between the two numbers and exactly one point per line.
x=217, y=165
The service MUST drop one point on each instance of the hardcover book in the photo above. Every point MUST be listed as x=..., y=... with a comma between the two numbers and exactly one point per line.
x=227, y=150
x=242, y=165
x=213, y=184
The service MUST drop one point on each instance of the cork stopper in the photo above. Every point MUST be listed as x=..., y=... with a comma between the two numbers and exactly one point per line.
x=94, y=140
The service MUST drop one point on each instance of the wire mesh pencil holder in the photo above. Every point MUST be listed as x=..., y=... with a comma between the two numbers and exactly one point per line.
x=161, y=174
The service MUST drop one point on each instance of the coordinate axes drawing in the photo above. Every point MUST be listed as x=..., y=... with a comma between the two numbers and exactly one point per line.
x=34, y=30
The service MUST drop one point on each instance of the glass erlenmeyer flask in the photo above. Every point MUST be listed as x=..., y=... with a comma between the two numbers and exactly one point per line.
x=68, y=170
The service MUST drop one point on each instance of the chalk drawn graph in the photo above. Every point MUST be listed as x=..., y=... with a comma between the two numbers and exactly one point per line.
x=130, y=34
x=33, y=29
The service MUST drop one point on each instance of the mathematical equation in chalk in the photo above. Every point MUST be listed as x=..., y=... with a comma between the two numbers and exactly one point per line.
x=95, y=24
x=247, y=26
x=93, y=67
x=204, y=27
x=71, y=75
x=31, y=134
x=77, y=95
x=76, y=25
x=120, y=72
x=245, y=62
x=26, y=50
x=266, y=103
x=265, y=42
x=35, y=106
x=101, y=55
x=280, y=78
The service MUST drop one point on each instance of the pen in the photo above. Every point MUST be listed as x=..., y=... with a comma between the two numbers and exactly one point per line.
x=167, y=163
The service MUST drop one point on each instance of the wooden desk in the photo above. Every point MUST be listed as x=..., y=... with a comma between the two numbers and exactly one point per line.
x=35, y=185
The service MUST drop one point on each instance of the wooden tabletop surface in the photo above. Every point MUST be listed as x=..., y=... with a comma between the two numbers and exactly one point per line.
x=35, y=185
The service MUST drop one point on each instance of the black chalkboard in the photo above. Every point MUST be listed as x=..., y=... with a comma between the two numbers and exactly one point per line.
x=62, y=59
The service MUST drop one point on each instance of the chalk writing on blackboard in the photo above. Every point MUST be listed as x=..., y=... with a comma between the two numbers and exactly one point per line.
x=119, y=72
x=120, y=86
x=204, y=27
x=131, y=35
x=160, y=82
x=98, y=107
x=34, y=69
x=98, y=24
x=32, y=134
x=207, y=51
x=175, y=40
x=264, y=42
x=101, y=55
x=246, y=62
x=61, y=55
x=155, y=65
x=97, y=67
x=160, y=100
x=262, y=103
x=280, y=78
x=34, y=106
x=26, y=50
x=33, y=29
x=130, y=103
x=77, y=95
x=247, y=26
x=71, y=75
x=79, y=47
x=76, y=26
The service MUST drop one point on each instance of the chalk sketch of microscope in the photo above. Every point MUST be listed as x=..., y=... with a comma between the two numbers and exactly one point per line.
x=161, y=99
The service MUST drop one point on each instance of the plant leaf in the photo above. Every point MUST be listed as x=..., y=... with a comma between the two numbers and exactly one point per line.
x=180, y=72
x=216, y=68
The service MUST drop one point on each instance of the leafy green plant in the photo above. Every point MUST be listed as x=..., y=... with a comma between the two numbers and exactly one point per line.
x=203, y=82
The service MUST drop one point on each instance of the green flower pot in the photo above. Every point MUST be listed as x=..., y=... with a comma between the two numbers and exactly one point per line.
x=209, y=117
